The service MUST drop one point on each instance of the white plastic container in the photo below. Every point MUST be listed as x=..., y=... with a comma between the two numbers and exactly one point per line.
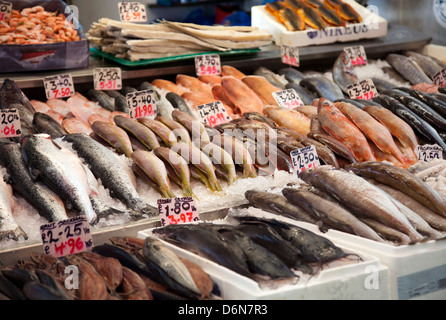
x=372, y=26
x=347, y=279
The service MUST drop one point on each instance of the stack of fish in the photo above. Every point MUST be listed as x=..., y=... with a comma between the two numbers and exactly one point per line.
x=433, y=173
x=374, y=200
x=166, y=39
x=257, y=248
x=298, y=15
x=123, y=269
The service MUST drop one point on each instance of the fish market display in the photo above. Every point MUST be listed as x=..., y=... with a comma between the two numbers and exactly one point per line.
x=165, y=38
x=35, y=25
x=123, y=268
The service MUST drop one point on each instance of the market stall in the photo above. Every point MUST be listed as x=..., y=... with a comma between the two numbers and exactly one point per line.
x=182, y=159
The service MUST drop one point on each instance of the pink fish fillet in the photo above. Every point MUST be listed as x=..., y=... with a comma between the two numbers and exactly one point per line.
x=74, y=125
x=60, y=106
x=40, y=106
x=81, y=109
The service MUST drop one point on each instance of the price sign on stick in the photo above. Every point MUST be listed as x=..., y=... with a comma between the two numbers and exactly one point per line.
x=305, y=158
x=213, y=114
x=57, y=87
x=208, y=65
x=177, y=211
x=357, y=55
x=5, y=10
x=440, y=78
x=364, y=90
x=428, y=152
x=290, y=55
x=132, y=12
x=66, y=237
x=107, y=78
x=288, y=99
x=10, y=123
x=142, y=104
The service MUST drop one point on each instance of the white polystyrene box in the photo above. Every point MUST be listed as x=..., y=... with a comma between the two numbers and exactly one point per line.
x=341, y=280
x=372, y=26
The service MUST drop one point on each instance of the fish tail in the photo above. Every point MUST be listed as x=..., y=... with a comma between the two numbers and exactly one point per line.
x=14, y=234
x=249, y=171
x=215, y=185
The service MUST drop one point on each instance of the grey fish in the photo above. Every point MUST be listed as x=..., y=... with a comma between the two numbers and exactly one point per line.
x=292, y=75
x=103, y=99
x=137, y=130
x=61, y=170
x=409, y=69
x=120, y=101
x=429, y=66
x=36, y=193
x=304, y=94
x=344, y=73
x=43, y=123
x=274, y=78
x=394, y=75
x=387, y=232
x=177, y=128
x=179, y=103
x=382, y=85
x=106, y=165
x=39, y=291
x=196, y=129
x=436, y=104
x=163, y=106
x=161, y=130
x=323, y=87
x=10, y=93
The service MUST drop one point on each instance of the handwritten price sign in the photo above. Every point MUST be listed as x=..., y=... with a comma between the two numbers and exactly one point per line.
x=290, y=55
x=142, y=104
x=288, y=99
x=357, y=55
x=364, y=90
x=428, y=153
x=177, y=211
x=132, y=12
x=5, y=10
x=208, y=65
x=440, y=78
x=57, y=87
x=213, y=114
x=66, y=237
x=305, y=158
x=10, y=126
x=107, y=78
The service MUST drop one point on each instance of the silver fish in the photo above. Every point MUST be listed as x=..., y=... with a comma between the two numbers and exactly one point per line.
x=408, y=68
x=344, y=73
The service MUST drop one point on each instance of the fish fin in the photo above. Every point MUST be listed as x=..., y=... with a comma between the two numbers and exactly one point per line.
x=35, y=173
x=14, y=234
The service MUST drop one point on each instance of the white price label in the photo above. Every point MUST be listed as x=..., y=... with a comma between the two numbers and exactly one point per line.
x=428, y=152
x=364, y=90
x=178, y=211
x=142, y=104
x=5, y=10
x=107, y=78
x=208, y=65
x=290, y=55
x=57, y=87
x=132, y=12
x=213, y=114
x=288, y=99
x=66, y=237
x=10, y=126
x=440, y=78
x=305, y=158
x=357, y=55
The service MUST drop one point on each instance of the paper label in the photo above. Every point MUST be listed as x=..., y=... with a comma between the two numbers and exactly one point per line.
x=132, y=12
x=213, y=114
x=290, y=55
x=288, y=99
x=208, y=65
x=440, y=78
x=357, y=55
x=305, y=158
x=428, y=152
x=177, y=211
x=66, y=237
x=364, y=90
x=60, y=86
x=107, y=78
x=10, y=126
x=142, y=104
x=5, y=10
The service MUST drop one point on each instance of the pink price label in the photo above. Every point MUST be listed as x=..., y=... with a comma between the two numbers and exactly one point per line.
x=177, y=211
x=290, y=55
x=364, y=90
x=10, y=125
x=357, y=55
x=208, y=65
x=58, y=87
x=304, y=159
x=213, y=114
x=440, y=78
x=142, y=104
x=5, y=10
x=288, y=99
x=107, y=79
x=66, y=237
x=132, y=12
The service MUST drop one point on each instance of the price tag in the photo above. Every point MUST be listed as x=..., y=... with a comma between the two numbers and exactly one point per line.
x=364, y=90
x=290, y=55
x=5, y=10
x=208, y=65
x=142, y=104
x=305, y=158
x=60, y=86
x=132, y=12
x=428, y=152
x=288, y=99
x=357, y=55
x=10, y=126
x=177, y=211
x=107, y=78
x=440, y=78
x=66, y=237
x=213, y=114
